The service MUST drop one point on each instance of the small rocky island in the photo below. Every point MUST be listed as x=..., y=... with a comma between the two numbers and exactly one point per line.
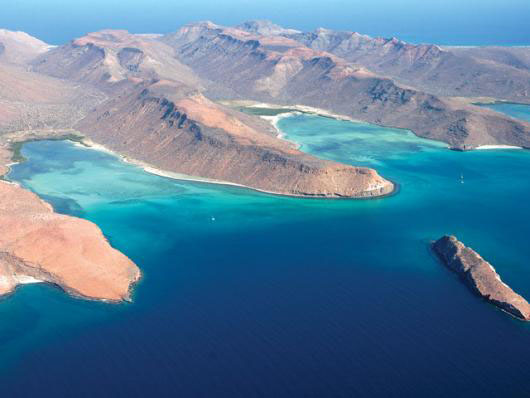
x=480, y=276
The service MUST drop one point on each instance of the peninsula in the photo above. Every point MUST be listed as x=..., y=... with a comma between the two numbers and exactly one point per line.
x=39, y=245
x=480, y=276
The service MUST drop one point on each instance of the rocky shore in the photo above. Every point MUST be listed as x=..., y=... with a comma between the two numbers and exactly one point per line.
x=480, y=276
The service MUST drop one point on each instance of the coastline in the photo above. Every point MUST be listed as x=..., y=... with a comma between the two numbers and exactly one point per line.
x=274, y=120
x=484, y=101
x=316, y=112
x=304, y=109
x=148, y=168
x=486, y=147
x=11, y=279
x=476, y=101
x=8, y=285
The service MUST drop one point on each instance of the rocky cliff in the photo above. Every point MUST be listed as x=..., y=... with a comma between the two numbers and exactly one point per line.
x=480, y=276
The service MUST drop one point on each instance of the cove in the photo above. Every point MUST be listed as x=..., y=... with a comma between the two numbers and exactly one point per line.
x=518, y=111
x=250, y=295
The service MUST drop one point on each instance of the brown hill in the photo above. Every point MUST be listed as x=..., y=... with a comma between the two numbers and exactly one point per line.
x=187, y=133
x=34, y=101
x=71, y=253
x=110, y=57
x=19, y=47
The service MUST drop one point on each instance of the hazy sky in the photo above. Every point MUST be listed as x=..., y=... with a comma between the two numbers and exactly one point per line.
x=439, y=21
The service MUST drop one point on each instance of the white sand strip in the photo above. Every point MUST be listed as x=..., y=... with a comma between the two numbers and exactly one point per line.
x=498, y=147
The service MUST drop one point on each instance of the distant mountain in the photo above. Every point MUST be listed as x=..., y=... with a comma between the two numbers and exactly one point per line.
x=282, y=70
x=502, y=73
x=266, y=28
x=19, y=47
x=113, y=56
x=35, y=101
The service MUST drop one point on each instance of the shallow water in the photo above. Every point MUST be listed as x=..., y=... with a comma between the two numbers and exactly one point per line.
x=250, y=295
x=519, y=111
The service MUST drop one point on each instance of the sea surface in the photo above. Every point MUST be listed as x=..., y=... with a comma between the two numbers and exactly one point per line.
x=250, y=295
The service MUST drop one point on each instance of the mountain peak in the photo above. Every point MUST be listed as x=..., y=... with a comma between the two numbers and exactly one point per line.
x=265, y=27
x=19, y=47
x=202, y=24
x=106, y=37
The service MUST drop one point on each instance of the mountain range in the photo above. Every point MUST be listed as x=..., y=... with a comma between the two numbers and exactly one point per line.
x=159, y=98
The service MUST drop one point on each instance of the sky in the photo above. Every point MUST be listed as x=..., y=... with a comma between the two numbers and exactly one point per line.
x=456, y=22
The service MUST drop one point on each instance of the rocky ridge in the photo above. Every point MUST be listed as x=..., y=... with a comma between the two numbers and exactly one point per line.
x=480, y=276
x=499, y=72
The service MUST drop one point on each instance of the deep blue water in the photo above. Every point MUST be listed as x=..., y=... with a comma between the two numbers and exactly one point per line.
x=250, y=295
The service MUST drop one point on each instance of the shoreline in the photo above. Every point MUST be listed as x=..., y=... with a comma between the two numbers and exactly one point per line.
x=79, y=139
x=305, y=109
x=148, y=168
x=318, y=112
x=484, y=101
x=486, y=147
x=274, y=120
x=476, y=101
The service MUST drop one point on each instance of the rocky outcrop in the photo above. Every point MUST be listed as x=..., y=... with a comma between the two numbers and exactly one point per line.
x=480, y=276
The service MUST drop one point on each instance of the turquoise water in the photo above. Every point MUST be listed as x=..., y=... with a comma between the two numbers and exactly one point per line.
x=250, y=295
x=519, y=111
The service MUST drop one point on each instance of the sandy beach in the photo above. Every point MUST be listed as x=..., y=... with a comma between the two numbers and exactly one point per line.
x=303, y=109
x=274, y=122
x=498, y=147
